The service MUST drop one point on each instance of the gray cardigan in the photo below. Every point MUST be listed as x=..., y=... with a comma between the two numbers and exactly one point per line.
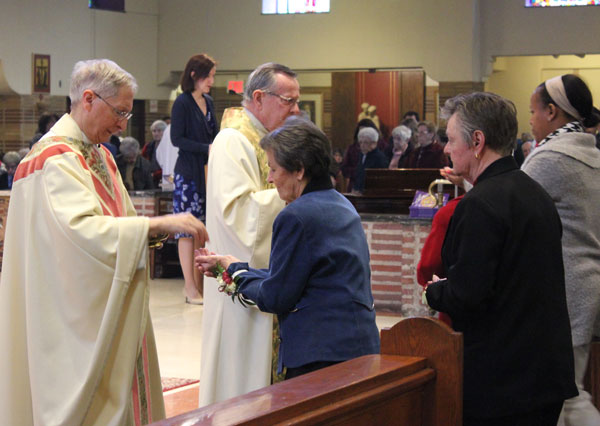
x=568, y=167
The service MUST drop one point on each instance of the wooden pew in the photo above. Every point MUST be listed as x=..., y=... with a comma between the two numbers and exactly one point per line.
x=416, y=380
x=392, y=191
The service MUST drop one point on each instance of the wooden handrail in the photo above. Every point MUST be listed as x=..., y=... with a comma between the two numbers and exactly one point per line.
x=416, y=380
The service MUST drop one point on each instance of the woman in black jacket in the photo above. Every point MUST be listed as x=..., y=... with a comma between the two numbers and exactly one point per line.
x=505, y=289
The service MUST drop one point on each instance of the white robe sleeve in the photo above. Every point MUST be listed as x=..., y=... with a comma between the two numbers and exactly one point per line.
x=238, y=209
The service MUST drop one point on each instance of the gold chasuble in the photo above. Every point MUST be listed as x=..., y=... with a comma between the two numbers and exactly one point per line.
x=240, y=210
x=74, y=323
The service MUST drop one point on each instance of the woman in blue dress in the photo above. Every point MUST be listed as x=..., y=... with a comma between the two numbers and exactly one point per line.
x=193, y=128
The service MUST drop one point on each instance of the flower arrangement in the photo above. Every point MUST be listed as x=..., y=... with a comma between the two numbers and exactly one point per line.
x=229, y=286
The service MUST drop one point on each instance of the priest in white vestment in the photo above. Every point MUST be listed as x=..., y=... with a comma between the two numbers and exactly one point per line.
x=240, y=209
x=75, y=331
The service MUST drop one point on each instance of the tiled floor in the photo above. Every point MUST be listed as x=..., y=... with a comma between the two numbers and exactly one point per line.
x=178, y=330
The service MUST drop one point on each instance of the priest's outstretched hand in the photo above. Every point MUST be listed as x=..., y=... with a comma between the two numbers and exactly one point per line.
x=179, y=222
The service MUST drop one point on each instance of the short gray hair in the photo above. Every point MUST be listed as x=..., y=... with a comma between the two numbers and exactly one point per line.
x=103, y=76
x=299, y=144
x=158, y=125
x=11, y=158
x=129, y=145
x=368, y=134
x=493, y=115
x=402, y=132
x=23, y=152
x=263, y=78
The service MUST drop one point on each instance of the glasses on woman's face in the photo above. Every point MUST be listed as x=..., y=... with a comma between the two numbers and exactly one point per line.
x=123, y=115
x=285, y=99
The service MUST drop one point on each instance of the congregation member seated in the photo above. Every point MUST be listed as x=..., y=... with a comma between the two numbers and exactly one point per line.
x=10, y=161
x=566, y=163
x=371, y=157
x=23, y=152
x=45, y=123
x=401, y=136
x=353, y=153
x=505, y=285
x=526, y=148
x=149, y=151
x=411, y=115
x=335, y=171
x=522, y=145
x=318, y=281
x=441, y=137
x=429, y=154
x=595, y=130
x=135, y=170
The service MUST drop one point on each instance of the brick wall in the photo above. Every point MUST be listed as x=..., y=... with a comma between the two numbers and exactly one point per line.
x=395, y=243
x=145, y=205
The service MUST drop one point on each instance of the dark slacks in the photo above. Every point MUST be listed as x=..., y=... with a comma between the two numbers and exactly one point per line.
x=307, y=368
x=544, y=416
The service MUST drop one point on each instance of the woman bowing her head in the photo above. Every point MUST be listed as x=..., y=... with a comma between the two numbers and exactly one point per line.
x=318, y=282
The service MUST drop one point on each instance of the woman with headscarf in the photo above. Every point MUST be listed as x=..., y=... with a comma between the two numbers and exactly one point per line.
x=566, y=163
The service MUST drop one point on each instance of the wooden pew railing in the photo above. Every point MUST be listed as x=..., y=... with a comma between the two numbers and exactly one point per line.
x=416, y=380
x=392, y=191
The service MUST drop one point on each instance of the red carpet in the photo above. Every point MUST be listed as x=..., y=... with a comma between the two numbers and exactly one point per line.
x=170, y=383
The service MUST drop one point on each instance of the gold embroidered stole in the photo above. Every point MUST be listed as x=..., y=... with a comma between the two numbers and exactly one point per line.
x=95, y=159
x=236, y=118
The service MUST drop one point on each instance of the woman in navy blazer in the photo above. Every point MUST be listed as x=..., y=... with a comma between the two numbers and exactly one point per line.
x=193, y=128
x=318, y=282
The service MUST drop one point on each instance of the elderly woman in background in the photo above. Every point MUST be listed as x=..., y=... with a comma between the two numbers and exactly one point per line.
x=10, y=160
x=318, y=281
x=401, y=137
x=353, y=154
x=566, y=163
x=371, y=157
x=45, y=123
x=149, y=151
x=505, y=286
x=429, y=153
x=135, y=170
